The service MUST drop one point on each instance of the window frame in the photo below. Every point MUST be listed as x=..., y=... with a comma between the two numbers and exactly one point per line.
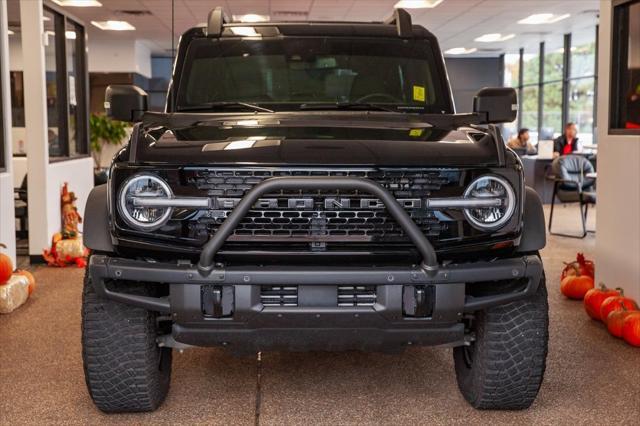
x=63, y=90
x=566, y=83
x=619, y=53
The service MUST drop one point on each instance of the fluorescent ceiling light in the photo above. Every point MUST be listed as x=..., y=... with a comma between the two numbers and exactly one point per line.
x=78, y=3
x=460, y=51
x=543, y=18
x=114, y=25
x=417, y=4
x=251, y=17
x=494, y=37
x=11, y=32
x=244, y=31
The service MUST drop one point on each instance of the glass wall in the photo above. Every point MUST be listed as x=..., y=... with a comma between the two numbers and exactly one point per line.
x=556, y=85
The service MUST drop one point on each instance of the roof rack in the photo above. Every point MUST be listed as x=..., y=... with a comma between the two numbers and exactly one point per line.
x=402, y=20
x=215, y=21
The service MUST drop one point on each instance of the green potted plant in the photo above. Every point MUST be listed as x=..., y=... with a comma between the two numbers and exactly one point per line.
x=104, y=131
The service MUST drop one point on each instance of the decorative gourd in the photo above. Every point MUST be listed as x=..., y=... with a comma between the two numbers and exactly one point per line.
x=615, y=320
x=594, y=298
x=616, y=303
x=575, y=287
x=6, y=267
x=29, y=276
x=631, y=329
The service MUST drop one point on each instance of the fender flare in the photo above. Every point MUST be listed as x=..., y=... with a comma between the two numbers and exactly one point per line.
x=534, y=232
x=96, y=231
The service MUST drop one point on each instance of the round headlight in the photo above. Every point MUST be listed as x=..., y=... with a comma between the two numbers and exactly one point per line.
x=494, y=217
x=141, y=187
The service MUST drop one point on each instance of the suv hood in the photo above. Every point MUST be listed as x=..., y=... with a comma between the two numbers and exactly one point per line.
x=309, y=138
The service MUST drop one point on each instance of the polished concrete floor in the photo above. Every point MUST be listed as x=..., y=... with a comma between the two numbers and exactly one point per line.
x=591, y=377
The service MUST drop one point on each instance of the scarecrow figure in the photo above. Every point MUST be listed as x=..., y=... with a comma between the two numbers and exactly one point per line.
x=66, y=246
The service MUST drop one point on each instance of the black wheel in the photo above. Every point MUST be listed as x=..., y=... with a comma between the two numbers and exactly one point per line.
x=124, y=368
x=503, y=368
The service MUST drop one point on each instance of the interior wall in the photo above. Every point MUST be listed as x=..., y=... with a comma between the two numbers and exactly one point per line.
x=57, y=175
x=618, y=224
x=7, y=224
x=119, y=56
x=468, y=75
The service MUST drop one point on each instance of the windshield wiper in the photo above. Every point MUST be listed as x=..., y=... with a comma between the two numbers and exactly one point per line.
x=348, y=105
x=224, y=105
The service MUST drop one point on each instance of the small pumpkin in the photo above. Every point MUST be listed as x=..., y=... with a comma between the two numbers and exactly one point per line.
x=631, y=329
x=575, y=287
x=616, y=319
x=29, y=276
x=594, y=298
x=617, y=303
x=581, y=266
x=6, y=267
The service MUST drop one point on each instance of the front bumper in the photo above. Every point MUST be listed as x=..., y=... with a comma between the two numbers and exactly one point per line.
x=413, y=305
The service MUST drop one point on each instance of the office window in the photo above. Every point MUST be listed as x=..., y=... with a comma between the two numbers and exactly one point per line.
x=511, y=78
x=52, y=88
x=625, y=72
x=530, y=90
x=66, y=71
x=553, y=72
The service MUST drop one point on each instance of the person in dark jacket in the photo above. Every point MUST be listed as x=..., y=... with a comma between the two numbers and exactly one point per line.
x=567, y=142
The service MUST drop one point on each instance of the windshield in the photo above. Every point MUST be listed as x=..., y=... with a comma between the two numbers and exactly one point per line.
x=310, y=72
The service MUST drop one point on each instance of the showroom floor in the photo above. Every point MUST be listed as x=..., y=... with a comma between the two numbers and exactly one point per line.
x=591, y=377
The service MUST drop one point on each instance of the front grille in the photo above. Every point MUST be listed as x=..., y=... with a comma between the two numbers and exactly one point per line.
x=273, y=295
x=356, y=295
x=322, y=215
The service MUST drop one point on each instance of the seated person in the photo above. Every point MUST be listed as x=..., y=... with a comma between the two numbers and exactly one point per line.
x=567, y=142
x=521, y=144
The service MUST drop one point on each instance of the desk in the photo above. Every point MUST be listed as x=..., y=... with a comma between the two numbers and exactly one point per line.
x=535, y=172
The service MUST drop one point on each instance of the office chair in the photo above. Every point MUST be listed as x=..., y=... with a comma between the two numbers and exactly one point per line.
x=572, y=186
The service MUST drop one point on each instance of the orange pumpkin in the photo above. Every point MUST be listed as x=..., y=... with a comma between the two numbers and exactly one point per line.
x=29, y=276
x=631, y=329
x=616, y=303
x=6, y=267
x=594, y=298
x=575, y=287
x=616, y=319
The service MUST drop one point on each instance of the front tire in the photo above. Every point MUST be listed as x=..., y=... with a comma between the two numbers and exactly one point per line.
x=124, y=368
x=504, y=367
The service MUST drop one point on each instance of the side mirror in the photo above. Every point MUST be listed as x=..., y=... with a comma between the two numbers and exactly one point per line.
x=497, y=104
x=125, y=102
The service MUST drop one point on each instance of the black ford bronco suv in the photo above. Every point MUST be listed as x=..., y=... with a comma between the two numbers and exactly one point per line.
x=310, y=187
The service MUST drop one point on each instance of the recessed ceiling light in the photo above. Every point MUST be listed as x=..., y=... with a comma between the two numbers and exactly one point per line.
x=11, y=32
x=460, y=51
x=244, y=31
x=417, y=4
x=543, y=18
x=494, y=37
x=250, y=17
x=78, y=3
x=114, y=25
x=70, y=35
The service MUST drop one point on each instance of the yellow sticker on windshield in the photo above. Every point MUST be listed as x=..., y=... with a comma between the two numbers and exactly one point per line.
x=419, y=93
x=415, y=132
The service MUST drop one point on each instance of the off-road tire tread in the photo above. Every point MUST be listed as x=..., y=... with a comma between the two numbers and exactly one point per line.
x=125, y=371
x=509, y=355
